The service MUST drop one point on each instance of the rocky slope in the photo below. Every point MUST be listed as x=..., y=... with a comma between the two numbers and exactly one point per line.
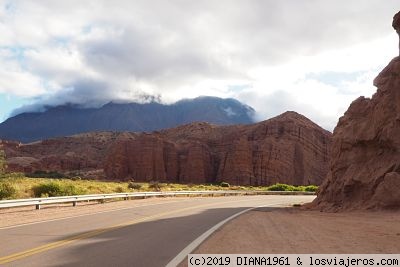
x=288, y=148
x=365, y=157
x=71, y=119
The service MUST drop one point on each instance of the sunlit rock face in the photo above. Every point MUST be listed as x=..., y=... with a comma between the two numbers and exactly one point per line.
x=288, y=149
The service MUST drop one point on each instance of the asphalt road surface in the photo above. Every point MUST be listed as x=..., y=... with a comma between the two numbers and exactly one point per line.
x=146, y=235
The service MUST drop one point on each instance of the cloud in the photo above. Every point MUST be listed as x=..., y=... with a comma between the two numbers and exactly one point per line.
x=14, y=78
x=296, y=55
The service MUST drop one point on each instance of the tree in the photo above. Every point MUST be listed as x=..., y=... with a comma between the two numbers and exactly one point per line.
x=3, y=163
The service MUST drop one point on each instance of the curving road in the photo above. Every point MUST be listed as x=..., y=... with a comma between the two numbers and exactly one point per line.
x=146, y=235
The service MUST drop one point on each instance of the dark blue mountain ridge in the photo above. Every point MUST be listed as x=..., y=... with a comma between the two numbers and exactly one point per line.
x=72, y=119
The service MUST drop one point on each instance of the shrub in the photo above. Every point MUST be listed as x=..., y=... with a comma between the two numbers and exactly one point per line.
x=45, y=174
x=134, y=186
x=311, y=188
x=119, y=189
x=224, y=184
x=155, y=186
x=50, y=189
x=280, y=187
x=76, y=178
x=53, y=189
x=296, y=188
x=7, y=190
x=3, y=163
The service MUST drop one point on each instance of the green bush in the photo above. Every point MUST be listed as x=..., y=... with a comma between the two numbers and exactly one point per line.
x=53, y=189
x=285, y=187
x=134, y=186
x=311, y=188
x=224, y=184
x=296, y=188
x=280, y=187
x=7, y=190
x=50, y=189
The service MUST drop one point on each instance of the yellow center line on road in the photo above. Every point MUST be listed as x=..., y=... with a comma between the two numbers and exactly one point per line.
x=57, y=244
x=88, y=214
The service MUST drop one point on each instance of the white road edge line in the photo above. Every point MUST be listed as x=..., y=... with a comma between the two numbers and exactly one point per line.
x=192, y=246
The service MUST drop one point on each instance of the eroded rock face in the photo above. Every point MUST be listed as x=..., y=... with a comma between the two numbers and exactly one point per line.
x=365, y=155
x=288, y=149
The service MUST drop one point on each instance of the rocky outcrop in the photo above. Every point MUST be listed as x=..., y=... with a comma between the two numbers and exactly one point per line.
x=288, y=149
x=365, y=156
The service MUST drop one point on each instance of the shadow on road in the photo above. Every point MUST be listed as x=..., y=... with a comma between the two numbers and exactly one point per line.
x=152, y=243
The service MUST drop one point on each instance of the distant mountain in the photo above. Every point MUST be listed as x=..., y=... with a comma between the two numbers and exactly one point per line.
x=72, y=119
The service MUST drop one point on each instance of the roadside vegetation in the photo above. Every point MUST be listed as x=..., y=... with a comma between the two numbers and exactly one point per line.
x=15, y=185
x=3, y=164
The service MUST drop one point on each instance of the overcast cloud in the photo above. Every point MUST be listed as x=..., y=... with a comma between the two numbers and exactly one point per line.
x=311, y=56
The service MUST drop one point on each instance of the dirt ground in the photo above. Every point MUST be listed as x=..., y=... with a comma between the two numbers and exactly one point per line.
x=290, y=230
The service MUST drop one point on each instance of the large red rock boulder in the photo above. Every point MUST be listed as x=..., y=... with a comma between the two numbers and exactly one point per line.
x=365, y=156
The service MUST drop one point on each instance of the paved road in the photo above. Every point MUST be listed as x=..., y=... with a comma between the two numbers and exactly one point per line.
x=146, y=235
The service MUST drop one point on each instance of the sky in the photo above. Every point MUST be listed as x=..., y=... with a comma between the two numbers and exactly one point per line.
x=310, y=56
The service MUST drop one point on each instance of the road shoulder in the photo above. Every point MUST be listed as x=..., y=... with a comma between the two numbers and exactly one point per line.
x=290, y=230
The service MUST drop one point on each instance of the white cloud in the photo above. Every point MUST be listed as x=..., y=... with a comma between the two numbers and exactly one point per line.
x=16, y=80
x=314, y=57
x=290, y=86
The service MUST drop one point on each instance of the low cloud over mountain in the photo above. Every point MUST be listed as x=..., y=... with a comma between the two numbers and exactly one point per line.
x=72, y=119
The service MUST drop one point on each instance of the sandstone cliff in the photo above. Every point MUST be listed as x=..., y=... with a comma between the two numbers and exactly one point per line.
x=288, y=148
x=365, y=156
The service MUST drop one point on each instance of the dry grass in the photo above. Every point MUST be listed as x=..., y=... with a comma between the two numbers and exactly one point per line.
x=24, y=186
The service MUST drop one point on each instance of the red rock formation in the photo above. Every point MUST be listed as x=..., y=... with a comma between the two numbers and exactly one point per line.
x=79, y=153
x=365, y=157
x=145, y=157
x=288, y=149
